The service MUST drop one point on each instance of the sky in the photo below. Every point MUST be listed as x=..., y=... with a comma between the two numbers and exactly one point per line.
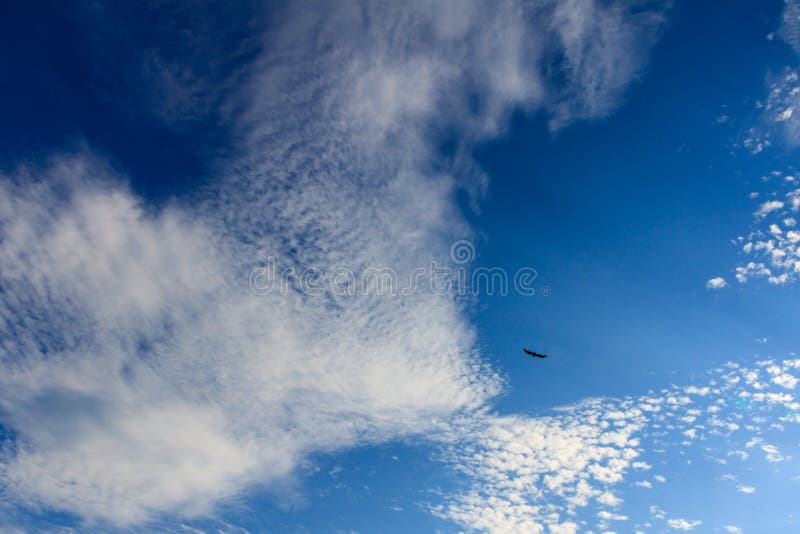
x=270, y=267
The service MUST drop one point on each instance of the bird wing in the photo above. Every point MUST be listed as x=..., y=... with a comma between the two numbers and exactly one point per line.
x=534, y=354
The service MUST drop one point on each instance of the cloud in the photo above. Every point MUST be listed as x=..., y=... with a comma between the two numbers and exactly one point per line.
x=772, y=244
x=716, y=283
x=531, y=472
x=609, y=499
x=768, y=207
x=790, y=25
x=603, y=514
x=683, y=524
x=782, y=378
x=142, y=377
x=598, y=74
x=780, y=122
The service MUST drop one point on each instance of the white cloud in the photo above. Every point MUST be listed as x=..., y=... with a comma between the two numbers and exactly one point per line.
x=683, y=524
x=145, y=376
x=567, y=527
x=565, y=460
x=694, y=390
x=608, y=516
x=716, y=283
x=785, y=380
x=775, y=248
x=598, y=75
x=781, y=121
x=609, y=499
x=531, y=470
x=732, y=529
x=137, y=344
x=790, y=25
x=773, y=454
x=768, y=207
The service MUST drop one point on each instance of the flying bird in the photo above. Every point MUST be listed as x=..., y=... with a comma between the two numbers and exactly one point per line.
x=534, y=354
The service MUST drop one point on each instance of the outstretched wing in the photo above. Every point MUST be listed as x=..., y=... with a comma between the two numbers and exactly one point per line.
x=534, y=354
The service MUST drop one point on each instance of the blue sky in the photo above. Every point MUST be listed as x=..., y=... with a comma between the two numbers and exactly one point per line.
x=157, y=161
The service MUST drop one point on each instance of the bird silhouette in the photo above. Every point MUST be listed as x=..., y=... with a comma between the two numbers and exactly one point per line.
x=534, y=354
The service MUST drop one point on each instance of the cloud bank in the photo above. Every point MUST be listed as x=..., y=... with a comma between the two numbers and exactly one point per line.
x=141, y=378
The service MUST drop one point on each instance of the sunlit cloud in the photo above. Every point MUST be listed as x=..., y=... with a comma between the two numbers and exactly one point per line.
x=142, y=377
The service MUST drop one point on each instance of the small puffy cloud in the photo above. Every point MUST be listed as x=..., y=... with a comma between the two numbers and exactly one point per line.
x=768, y=207
x=746, y=489
x=657, y=512
x=568, y=459
x=563, y=528
x=773, y=454
x=608, y=516
x=609, y=499
x=683, y=524
x=785, y=380
x=716, y=283
x=733, y=530
x=779, y=280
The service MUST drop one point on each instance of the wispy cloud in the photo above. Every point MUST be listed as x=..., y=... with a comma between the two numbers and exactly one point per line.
x=790, y=25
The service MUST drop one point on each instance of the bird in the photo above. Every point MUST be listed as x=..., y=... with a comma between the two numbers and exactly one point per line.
x=534, y=354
